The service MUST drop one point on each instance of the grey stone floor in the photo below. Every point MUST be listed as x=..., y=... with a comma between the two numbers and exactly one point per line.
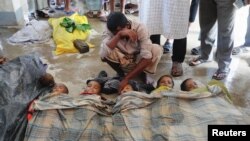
x=75, y=69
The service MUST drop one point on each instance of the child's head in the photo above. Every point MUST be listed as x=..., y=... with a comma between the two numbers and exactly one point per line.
x=188, y=85
x=165, y=80
x=60, y=88
x=94, y=86
x=116, y=21
x=47, y=80
x=131, y=86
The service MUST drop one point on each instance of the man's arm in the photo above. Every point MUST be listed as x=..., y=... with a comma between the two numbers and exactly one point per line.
x=136, y=71
x=113, y=42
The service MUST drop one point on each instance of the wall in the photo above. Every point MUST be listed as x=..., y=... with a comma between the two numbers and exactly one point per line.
x=12, y=12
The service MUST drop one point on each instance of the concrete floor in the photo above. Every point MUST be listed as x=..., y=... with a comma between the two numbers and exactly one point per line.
x=75, y=69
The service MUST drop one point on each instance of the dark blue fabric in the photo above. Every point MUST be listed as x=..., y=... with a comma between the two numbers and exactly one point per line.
x=18, y=87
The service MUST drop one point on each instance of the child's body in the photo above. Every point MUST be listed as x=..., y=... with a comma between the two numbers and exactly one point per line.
x=58, y=88
x=214, y=87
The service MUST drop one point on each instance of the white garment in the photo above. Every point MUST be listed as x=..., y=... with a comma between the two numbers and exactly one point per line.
x=166, y=17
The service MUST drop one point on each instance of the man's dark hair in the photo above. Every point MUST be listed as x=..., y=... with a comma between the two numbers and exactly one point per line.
x=115, y=20
x=184, y=85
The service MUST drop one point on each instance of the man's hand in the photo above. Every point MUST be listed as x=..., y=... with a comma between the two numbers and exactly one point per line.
x=247, y=1
x=123, y=83
x=128, y=33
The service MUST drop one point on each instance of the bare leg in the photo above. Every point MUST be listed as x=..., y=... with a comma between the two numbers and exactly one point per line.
x=67, y=5
x=123, y=2
x=58, y=2
x=112, y=6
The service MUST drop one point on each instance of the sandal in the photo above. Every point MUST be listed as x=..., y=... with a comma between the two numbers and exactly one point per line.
x=220, y=75
x=197, y=61
x=90, y=14
x=239, y=50
x=69, y=13
x=176, y=69
x=59, y=7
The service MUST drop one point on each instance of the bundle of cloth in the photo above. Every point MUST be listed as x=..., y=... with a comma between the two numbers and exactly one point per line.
x=33, y=32
x=65, y=36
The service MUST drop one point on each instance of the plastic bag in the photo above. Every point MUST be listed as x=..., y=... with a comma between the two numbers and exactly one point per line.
x=18, y=87
x=63, y=39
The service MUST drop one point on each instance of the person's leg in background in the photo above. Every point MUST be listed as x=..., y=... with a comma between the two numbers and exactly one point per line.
x=193, y=11
x=247, y=36
x=102, y=14
x=59, y=5
x=122, y=6
x=67, y=5
x=226, y=17
x=246, y=46
x=192, y=15
x=208, y=18
x=179, y=52
x=32, y=9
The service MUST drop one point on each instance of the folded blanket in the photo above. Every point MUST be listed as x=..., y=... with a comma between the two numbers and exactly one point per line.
x=136, y=116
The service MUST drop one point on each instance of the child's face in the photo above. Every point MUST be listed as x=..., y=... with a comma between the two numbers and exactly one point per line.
x=191, y=84
x=93, y=87
x=60, y=88
x=166, y=81
x=127, y=88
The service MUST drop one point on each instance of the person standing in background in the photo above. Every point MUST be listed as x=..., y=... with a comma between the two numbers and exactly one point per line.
x=222, y=11
x=170, y=19
x=66, y=7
